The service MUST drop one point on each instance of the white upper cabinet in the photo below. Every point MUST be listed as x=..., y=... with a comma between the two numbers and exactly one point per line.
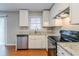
x=48, y=21
x=23, y=18
x=74, y=13
x=58, y=8
x=46, y=18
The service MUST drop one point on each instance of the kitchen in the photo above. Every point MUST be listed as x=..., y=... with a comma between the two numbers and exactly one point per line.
x=36, y=26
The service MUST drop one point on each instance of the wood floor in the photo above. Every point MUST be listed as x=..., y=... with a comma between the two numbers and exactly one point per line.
x=10, y=51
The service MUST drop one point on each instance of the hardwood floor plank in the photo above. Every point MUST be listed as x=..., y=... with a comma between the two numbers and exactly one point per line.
x=10, y=51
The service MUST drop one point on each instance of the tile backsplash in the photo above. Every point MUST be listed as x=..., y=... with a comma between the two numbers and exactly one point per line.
x=23, y=28
x=42, y=31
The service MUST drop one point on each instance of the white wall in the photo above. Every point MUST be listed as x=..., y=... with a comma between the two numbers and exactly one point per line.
x=12, y=26
x=35, y=13
x=2, y=42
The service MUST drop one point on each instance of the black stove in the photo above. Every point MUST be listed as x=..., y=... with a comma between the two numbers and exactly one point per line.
x=52, y=44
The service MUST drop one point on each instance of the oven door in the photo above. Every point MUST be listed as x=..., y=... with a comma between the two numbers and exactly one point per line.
x=51, y=47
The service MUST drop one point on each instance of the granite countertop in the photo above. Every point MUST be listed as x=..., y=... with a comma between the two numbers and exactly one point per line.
x=71, y=47
x=38, y=33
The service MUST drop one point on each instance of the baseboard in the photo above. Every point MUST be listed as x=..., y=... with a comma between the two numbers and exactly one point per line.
x=10, y=44
x=36, y=49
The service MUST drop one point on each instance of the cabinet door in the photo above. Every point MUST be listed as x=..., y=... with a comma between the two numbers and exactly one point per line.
x=45, y=18
x=74, y=13
x=43, y=42
x=23, y=18
x=62, y=7
x=54, y=10
x=58, y=8
x=34, y=42
x=31, y=41
x=38, y=43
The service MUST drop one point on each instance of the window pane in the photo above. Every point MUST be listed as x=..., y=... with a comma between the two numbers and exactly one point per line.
x=35, y=23
x=38, y=20
x=35, y=20
x=33, y=26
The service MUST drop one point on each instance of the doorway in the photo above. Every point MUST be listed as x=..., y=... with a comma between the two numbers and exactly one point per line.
x=2, y=30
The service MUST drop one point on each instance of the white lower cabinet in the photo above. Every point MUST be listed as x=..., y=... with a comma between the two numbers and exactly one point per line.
x=62, y=52
x=37, y=42
x=46, y=18
x=43, y=42
x=34, y=43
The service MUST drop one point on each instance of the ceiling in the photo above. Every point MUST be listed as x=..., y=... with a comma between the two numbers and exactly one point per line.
x=29, y=6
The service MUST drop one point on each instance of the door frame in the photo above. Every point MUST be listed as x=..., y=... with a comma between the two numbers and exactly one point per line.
x=5, y=30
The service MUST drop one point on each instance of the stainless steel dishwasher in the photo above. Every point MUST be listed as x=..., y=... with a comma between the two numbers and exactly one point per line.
x=22, y=41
